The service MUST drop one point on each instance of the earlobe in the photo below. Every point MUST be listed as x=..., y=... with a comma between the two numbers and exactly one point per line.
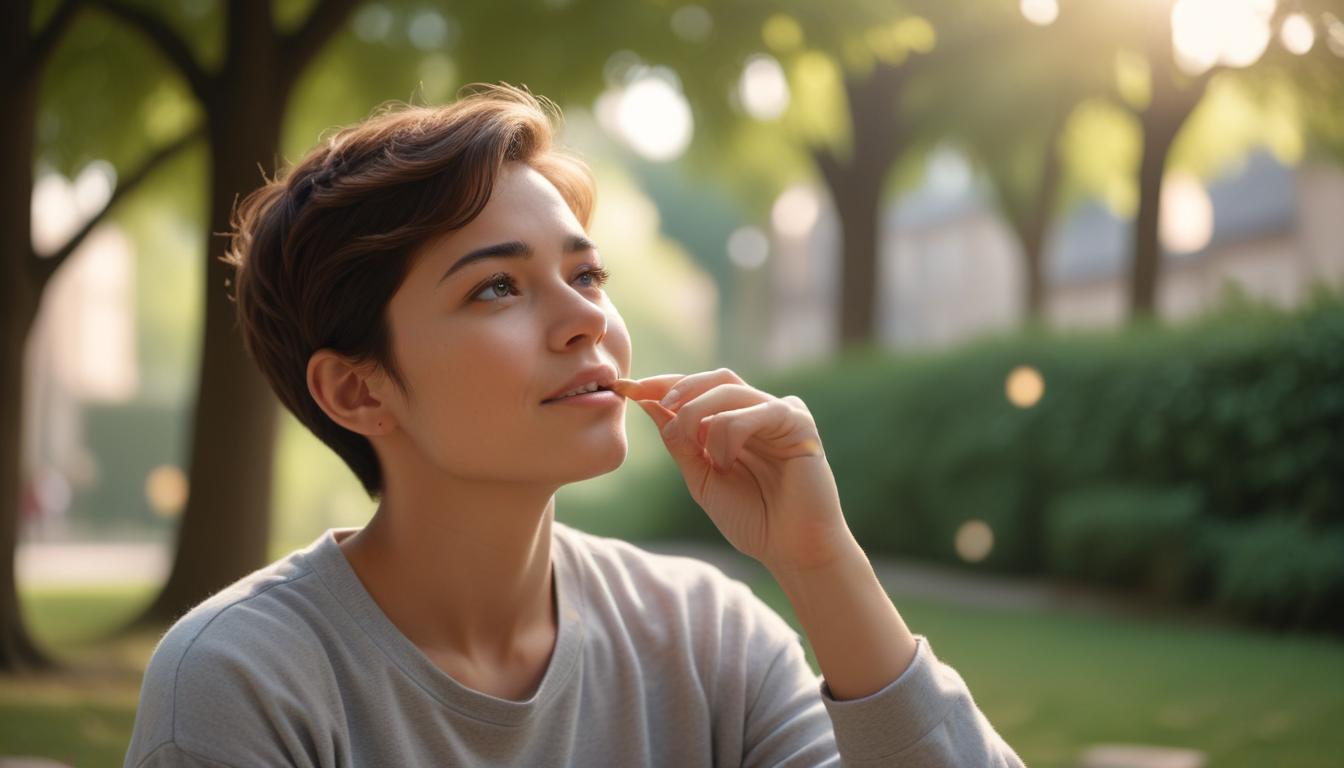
x=342, y=389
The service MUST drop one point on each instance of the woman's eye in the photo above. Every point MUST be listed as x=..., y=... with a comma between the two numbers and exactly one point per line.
x=599, y=275
x=503, y=284
x=501, y=281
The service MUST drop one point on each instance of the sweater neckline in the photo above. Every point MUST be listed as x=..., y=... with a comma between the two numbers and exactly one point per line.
x=329, y=562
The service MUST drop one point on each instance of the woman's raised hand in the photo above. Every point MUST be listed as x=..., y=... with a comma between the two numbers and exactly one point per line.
x=753, y=462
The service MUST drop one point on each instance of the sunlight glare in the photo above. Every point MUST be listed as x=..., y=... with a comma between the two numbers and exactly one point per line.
x=1206, y=33
x=653, y=117
x=1040, y=12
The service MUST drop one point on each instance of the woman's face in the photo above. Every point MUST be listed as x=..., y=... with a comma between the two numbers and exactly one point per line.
x=482, y=344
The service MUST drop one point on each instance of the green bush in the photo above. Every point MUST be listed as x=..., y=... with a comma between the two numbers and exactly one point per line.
x=1280, y=572
x=1127, y=536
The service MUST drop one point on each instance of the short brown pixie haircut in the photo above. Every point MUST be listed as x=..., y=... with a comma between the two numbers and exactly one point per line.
x=319, y=251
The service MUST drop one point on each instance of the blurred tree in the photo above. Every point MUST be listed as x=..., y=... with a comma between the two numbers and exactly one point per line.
x=27, y=43
x=880, y=44
x=1171, y=97
x=226, y=524
x=1009, y=111
x=871, y=86
x=1161, y=84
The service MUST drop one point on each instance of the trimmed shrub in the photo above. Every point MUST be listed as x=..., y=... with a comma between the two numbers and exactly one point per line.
x=1280, y=572
x=1127, y=536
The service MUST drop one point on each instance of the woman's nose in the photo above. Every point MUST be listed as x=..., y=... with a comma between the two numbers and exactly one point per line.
x=577, y=316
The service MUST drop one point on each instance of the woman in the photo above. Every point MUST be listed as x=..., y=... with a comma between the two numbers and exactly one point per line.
x=421, y=293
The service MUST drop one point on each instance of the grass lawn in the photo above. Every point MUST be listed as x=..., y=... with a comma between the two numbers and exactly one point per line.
x=85, y=718
x=1052, y=684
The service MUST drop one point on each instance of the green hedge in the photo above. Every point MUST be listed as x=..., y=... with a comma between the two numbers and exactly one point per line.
x=1129, y=537
x=1141, y=436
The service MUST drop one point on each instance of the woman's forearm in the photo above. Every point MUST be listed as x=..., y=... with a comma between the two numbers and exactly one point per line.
x=860, y=640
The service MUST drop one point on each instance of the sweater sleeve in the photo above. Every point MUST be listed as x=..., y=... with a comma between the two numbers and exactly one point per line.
x=925, y=718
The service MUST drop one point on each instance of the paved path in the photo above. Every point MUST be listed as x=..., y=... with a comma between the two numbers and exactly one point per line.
x=69, y=564
x=939, y=582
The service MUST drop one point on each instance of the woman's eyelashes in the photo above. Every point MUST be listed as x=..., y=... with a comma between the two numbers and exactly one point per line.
x=503, y=281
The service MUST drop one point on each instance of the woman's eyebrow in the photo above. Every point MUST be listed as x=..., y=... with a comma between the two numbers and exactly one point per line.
x=514, y=249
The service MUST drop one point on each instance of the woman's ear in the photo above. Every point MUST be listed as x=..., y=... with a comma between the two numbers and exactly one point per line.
x=351, y=394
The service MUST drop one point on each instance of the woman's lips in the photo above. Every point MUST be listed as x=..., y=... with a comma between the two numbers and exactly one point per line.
x=599, y=397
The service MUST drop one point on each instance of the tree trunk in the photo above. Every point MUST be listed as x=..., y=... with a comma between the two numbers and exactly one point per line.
x=858, y=201
x=1173, y=99
x=18, y=310
x=856, y=186
x=18, y=652
x=1145, y=268
x=1034, y=231
x=225, y=526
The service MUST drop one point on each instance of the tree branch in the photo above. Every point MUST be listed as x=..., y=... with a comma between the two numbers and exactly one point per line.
x=300, y=46
x=168, y=41
x=45, y=266
x=51, y=34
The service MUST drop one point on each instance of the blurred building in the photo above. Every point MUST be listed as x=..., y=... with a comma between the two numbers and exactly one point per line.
x=950, y=267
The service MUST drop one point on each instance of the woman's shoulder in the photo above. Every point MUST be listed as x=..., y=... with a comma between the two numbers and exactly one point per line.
x=224, y=659
x=260, y=622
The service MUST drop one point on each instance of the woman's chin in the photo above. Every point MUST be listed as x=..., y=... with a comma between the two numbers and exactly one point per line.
x=605, y=460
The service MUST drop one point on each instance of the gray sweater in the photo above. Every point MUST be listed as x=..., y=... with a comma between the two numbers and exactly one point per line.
x=659, y=660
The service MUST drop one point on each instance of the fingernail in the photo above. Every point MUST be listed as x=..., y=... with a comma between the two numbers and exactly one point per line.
x=667, y=428
x=670, y=398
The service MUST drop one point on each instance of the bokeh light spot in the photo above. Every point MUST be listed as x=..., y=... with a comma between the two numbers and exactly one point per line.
x=692, y=23
x=782, y=33
x=166, y=490
x=748, y=247
x=795, y=211
x=1025, y=386
x=763, y=88
x=1040, y=12
x=1297, y=34
x=974, y=541
x=651, y=115
x=1187, y=214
